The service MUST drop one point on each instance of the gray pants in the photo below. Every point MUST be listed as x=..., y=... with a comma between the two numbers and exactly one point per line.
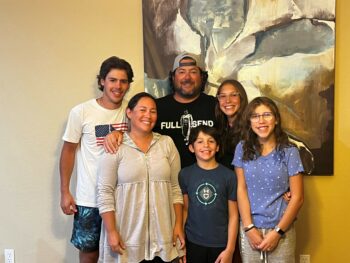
x=283, y=253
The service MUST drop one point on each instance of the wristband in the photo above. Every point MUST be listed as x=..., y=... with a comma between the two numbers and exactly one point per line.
x=249, y=227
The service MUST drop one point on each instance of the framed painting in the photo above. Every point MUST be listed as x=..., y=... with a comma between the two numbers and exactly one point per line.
x=280, y=49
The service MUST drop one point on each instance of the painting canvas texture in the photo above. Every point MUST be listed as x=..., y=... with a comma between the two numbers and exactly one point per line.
x=282, y=49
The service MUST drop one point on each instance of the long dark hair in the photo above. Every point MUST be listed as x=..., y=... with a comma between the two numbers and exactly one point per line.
x=252, y=147
x=230, y=135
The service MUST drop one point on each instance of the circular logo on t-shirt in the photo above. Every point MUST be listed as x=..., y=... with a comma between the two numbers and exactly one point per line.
x=206, y=193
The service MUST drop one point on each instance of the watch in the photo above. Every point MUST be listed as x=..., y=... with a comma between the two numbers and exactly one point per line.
x=279, y=230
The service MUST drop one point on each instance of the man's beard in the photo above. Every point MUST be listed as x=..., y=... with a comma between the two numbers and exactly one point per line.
x=188, y=95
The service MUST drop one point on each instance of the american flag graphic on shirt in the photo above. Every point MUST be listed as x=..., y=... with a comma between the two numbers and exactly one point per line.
x=102, y=130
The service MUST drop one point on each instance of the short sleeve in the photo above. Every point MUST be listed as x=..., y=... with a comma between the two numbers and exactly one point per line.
x=232, y=187
x=183, y=183
x=238, y=157
x=74, y=126
x=294, y=164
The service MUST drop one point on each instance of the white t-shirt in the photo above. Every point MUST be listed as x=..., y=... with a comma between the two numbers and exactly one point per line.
x=89, y=123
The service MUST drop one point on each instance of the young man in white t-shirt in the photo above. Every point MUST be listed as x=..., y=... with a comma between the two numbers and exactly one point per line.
x=87, y=125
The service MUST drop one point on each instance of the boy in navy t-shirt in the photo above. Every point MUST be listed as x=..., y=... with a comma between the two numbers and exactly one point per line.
x=210, y=201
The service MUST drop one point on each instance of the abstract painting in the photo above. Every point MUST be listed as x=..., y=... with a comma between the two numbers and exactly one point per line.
x=282, y=49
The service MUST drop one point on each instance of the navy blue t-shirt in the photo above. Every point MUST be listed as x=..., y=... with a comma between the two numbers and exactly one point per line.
x=208, y=193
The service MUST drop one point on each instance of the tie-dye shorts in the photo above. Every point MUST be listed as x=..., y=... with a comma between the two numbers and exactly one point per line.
x=86, y=229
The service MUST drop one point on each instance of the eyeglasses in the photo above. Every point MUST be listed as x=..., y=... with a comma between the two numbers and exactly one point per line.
x=267, y=116
x=224, y=97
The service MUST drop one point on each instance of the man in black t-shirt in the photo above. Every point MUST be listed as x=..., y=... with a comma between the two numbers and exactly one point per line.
x=187, y=107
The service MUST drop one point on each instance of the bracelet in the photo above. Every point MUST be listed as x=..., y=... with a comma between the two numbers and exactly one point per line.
x=249, y=227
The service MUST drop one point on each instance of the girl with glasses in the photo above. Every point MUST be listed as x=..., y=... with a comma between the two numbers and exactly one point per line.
x=267, y=164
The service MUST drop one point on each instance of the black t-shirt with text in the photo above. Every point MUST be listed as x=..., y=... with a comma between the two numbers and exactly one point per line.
x=176, y=119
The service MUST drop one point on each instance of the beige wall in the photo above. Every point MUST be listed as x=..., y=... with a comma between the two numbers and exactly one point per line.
x=50, y=52
x=322, y=225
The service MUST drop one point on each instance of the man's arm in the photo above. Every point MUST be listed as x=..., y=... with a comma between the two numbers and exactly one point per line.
x=67, y=161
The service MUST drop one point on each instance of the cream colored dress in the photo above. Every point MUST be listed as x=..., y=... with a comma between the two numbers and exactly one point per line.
x=141, y=188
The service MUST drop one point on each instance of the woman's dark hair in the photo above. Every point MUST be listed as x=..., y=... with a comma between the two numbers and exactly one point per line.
x=136, y=98
x=211, y=131
x=230, y=135
x=252, y=147
x=114, y=63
